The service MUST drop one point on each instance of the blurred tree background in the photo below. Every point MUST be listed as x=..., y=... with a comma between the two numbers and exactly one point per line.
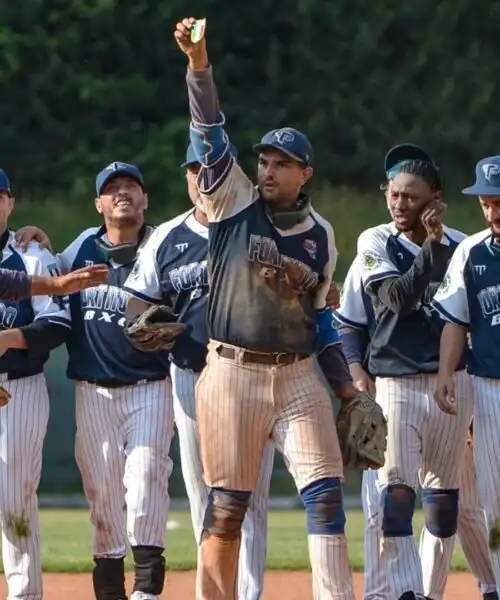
x=87, y=82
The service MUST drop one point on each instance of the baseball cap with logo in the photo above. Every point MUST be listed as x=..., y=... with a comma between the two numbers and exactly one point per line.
x=402, y=153
x=191, y=158
x=487, y=178
x=290, y=141
x=4, y=183
x=114, y=170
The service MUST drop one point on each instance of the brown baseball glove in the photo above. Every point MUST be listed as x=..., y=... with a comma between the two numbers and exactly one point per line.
x=4, y=396
x=362, y=432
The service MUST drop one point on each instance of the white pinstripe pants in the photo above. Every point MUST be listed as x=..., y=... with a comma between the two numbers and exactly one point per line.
x=122, y=450
x=425, y=447
x=487, y=457
x=23, y=426
x=253, y=550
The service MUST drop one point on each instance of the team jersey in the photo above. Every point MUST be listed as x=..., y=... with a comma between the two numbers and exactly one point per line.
x=172, y=269
x=356, y=309
x=401, y=344
x=98, y=348
x=14, y=314
x=470, y=296
x=265, y=283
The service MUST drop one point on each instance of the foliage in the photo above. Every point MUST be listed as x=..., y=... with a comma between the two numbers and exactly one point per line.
x=86, y=82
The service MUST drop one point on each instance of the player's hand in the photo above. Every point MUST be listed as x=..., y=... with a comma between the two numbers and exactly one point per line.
x=30, y=233
x=432, y=219
x=80, y=279
x=333, y=296
x=445, y=394
x=362, y=381
x=195, y=51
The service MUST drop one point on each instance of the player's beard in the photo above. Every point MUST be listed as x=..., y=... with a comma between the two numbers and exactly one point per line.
x=125, y=221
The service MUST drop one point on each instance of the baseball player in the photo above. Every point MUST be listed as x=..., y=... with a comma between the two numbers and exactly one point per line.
x=30, y=329
x=271, y=259
x=173, y=268
x=356, y=317
x=402, y=264
x=124, y=411
x=468, y=301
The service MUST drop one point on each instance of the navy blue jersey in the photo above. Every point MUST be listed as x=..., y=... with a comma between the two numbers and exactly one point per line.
x=265, y=283
x=172, y=269
x=98, y=348
x=470, y=296
x=14, y=314
x=401, y=344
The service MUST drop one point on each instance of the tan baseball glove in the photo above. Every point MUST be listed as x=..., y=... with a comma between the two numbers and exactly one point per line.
x=362, y=432
x=4, y=396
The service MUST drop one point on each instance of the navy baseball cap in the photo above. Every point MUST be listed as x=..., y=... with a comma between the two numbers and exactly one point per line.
x=114, y=170
x=402, y=152
x=289, y=141
x=4, y=182
x=191, y=158
x=487, y=178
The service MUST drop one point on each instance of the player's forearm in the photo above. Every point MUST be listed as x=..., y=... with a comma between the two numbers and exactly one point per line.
x=14, y=285
x=203, y=97
x=355, y=343
x=13, y=339
x=453, y=340
x=402, y=294
x=42, y=336
x=336, y=371
x=135, y=307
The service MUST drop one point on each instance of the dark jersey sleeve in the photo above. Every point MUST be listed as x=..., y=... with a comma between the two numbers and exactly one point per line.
x=355, y=343
x=14, y=285
x=400, y=294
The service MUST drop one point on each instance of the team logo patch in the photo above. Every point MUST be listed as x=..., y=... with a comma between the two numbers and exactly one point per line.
x=491, y=171
x=370, y=261
x=284, y=136
x=445, y=284
x=311, y=248
x=134, y=273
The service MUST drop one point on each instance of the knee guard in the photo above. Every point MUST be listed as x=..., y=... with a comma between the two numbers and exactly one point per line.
x=398, y=506
x=108, y=578
x=149, y=569
x=324, y=507
x=441, y=512
x=225, y=513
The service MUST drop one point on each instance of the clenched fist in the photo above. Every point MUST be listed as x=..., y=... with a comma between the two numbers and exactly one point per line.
x=195, y=51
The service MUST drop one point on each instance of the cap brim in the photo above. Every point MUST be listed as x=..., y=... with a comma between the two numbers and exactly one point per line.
x=190, y=162
x=479, y=190
x=260, y=147
x=405, y=152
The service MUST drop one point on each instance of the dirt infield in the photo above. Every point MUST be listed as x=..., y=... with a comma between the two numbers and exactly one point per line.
x=285, y=584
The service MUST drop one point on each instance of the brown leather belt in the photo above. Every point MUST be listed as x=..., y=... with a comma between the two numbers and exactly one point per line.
x=261, y=358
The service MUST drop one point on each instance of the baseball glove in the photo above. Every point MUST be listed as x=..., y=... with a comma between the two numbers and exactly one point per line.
x=362, y=432
x=156, y=329
x=4, y=396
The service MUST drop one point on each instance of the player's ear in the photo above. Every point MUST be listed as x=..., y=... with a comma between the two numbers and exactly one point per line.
x=146, y=202
x=307, y=173
x=98, y=205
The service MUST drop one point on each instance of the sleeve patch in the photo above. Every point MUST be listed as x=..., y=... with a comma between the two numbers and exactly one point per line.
x=370, y=261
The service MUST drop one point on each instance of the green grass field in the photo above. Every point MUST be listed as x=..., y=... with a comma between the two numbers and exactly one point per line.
x=66, y=541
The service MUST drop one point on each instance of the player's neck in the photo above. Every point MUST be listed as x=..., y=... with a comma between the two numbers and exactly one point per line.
x=123, y=235
x=417, y=236
x=201, y=217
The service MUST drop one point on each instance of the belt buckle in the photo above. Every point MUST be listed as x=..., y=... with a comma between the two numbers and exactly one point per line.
x=277, y=357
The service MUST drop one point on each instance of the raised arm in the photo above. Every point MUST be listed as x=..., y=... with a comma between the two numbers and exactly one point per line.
x=224, y=189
